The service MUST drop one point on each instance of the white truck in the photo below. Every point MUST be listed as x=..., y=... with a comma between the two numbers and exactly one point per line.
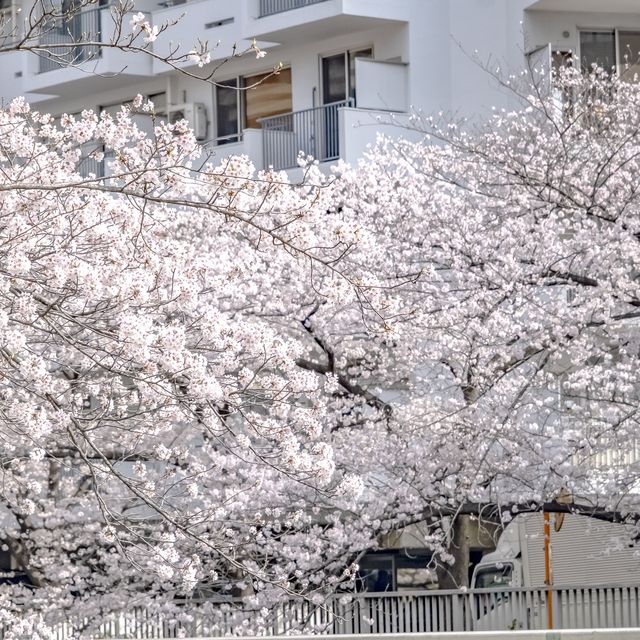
x=595, y=575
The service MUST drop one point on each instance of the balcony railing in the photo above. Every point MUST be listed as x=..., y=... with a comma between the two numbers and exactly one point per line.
x=311, y=132
x=89, y=165
x=269, y=7
x=64, y=40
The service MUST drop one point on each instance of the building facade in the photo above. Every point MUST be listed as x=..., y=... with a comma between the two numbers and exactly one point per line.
x=349, y=68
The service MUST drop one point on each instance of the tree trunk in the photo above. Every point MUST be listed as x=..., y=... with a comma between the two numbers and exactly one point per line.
x=457, y=575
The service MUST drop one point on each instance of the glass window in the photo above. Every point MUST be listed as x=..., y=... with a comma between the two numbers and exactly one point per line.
x=494, y=576
x=375, y=573
x=227, y=119
x=629, y=55
x=561, y=59
x=339, y=75
x=334, y=79
x=597, y=48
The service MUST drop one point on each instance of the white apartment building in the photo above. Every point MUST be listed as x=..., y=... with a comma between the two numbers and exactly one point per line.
x=344, y=63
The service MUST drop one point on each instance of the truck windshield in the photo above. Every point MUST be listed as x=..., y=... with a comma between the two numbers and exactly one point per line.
x=494, y=576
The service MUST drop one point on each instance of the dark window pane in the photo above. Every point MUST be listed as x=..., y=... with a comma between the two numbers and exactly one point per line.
x=629, y=55
x=561, y=59
x=334, y=80
x=597, y=48
x=375, y=573
x=227, y=112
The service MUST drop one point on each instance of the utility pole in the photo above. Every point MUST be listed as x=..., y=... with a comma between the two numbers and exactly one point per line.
x=548, y=572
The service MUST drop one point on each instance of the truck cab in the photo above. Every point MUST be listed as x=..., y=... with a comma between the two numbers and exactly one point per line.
x=501, y=568
x=500, y=574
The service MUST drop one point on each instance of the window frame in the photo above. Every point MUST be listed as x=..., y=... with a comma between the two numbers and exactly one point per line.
x=615, y=31
x=348, y=54
x=230, y=138
x=240, y=104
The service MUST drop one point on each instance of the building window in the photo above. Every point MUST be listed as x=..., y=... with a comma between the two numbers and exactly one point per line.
x=334, y=87
x=629, y=55
x=396, y=570
x=611, y=49
x=227, y=112
x=339, y=75
x=597, y=49
x=376, y=573
x=242, y=102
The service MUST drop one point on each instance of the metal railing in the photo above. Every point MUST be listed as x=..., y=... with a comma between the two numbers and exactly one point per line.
x=89, y=165
x=269, y=7
x=311, y=132
x=377, y=613
x=64, y=40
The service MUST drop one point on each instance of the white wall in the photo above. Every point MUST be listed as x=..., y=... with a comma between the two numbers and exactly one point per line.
x=381, y=85
x=359, y=129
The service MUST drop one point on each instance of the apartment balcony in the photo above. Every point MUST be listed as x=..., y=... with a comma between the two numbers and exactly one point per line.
x=328, y=132
x=300, y=21
x=206, y=20
x=311, y=132
x=68, y=67
x=340, y=130
x=331, y=132
x=270, y=22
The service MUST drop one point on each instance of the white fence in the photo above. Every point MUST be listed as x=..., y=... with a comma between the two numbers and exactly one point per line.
x=479, y=610
x=608, y=607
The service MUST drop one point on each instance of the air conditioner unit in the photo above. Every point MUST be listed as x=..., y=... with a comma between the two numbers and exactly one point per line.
x=195, y=113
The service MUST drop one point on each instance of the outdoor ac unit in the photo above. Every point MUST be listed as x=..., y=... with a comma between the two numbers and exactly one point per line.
x=195, y=113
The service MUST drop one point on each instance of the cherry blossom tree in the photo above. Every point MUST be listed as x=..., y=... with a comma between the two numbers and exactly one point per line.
x=217, y=383
x=162, y=431
x=160, y=435
x=515, y=355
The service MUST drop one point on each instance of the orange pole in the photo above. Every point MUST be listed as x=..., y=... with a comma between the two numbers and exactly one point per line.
x=548, y=575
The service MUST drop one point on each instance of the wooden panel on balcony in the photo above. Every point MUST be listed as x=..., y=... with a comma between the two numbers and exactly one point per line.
x=271, y=96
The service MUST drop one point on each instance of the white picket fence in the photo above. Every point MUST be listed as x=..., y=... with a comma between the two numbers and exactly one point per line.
x=607, y=607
